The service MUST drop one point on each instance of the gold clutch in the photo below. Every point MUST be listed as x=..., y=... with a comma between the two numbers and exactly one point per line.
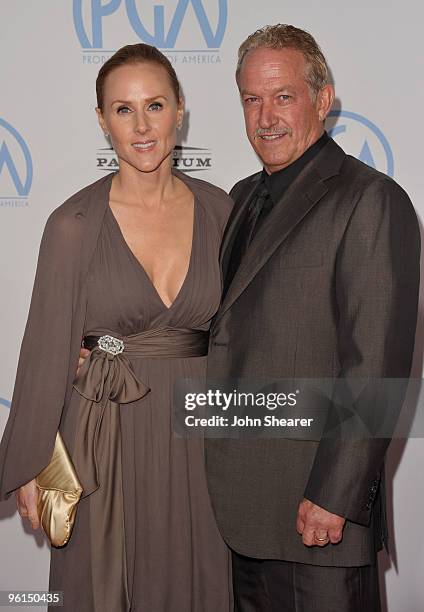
x=60, y=491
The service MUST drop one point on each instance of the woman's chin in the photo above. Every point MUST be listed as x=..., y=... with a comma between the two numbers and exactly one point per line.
x=149, y=163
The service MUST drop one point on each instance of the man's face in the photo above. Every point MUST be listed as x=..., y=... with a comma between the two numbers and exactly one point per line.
x=282, y=120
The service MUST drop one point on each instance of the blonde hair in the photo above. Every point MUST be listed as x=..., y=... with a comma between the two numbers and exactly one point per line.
x=283, y=36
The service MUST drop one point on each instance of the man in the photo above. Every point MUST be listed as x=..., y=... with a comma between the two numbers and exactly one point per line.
x=321, y=274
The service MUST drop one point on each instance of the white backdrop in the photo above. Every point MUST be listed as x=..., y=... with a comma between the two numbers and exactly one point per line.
x=51, y=146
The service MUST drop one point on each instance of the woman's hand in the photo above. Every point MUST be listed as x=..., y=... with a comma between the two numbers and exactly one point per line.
x=84, y=353
x=26, y=500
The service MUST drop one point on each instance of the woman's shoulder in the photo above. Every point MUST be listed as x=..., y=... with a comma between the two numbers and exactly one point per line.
x=64, y=221
x=78, y=204
x=214, y=199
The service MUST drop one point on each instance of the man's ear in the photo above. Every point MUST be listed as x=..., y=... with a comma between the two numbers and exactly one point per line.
x=324, y=102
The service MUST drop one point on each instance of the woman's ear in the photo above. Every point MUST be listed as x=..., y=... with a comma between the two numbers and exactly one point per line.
x=180, y=114
x=102, y=122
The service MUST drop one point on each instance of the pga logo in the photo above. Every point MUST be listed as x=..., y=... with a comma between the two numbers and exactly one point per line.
x=4, y=402
x=362, y=138
x=4, y=412
x=15, y=164
x=90, y=15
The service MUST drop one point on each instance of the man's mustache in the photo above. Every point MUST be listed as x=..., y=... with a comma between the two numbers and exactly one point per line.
x=272, y=132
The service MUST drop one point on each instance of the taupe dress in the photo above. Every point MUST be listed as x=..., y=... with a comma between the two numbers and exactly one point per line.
x=173, y=557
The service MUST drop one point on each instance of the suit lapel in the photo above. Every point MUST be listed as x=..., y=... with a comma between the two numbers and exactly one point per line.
x=304, y=193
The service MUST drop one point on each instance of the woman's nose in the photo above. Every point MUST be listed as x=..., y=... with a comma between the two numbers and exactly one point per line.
x=141, y=122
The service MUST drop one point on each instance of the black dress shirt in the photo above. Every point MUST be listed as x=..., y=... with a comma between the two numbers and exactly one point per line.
x=268, y=192
x=277, y=182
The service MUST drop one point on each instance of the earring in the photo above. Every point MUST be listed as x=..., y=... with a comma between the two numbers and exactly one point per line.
x=107, y=134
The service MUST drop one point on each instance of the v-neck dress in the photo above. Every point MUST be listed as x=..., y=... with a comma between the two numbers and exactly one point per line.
x=176, y=560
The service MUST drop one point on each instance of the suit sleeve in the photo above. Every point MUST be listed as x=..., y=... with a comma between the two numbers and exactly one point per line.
x=42, y=372
x=377, y=283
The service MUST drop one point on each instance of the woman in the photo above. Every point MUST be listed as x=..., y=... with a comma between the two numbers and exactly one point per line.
x=133, y=256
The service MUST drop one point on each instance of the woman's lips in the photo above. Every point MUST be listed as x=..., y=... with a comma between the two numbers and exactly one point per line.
x=141, y=147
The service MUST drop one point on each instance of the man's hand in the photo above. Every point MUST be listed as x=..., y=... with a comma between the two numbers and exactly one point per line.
x=317, y=526
x=84, y=353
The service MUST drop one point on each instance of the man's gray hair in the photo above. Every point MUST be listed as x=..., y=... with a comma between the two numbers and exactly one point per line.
x=283, y=36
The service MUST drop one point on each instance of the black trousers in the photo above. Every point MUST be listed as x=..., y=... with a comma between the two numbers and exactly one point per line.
x=285, y=586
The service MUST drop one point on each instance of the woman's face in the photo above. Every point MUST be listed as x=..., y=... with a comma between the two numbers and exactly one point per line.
x=141, y=114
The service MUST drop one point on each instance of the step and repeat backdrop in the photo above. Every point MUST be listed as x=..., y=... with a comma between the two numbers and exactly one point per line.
x=51, y=146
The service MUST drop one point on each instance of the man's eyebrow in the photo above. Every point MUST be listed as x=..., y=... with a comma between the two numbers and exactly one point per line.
x=280, y=88
x=246, y=92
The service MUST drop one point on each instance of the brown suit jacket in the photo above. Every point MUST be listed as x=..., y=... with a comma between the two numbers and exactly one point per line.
x=328, y=288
